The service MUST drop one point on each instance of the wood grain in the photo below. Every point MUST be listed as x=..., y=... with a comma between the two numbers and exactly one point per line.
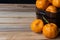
x=15, y=20
x=15, y=17
x=17, y=7
x=7, y=14
x=23, y=36
x=12, y=21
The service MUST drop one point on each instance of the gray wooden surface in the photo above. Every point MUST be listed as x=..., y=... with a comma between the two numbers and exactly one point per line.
x=17, y=35
x=16, y=16
x=17, y=7
x=15, y=20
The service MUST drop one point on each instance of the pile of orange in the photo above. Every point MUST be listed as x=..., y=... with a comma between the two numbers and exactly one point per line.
x=49, y=30
x=48, y=5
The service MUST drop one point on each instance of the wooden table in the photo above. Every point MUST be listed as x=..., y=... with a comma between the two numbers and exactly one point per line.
x=17, y=35
x=15, y=20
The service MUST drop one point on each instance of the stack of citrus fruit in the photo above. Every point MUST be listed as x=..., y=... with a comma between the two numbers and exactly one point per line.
x=48, y=5
x=49, y=30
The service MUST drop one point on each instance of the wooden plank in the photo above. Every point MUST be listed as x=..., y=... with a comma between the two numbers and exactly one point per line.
x=14, y=25
x=7, y=14
x=17, y=7
x=23, y=36
x=16, y=20
x=20, y=36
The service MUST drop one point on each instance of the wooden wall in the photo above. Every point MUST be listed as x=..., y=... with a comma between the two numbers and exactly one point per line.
x=16, y=16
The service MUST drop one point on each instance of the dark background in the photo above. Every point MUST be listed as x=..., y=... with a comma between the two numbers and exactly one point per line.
x=18, y=1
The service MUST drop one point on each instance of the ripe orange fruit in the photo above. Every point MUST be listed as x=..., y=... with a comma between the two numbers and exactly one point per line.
x=50, y=30
x=56, y=3
x=50, y=1
x=37, y=25
x=42, y=4
x=51, y=9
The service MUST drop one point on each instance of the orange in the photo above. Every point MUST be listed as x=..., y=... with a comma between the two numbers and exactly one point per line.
x=56, y=3
x=42, y=4
x=50, y=30
x=50, y=1
x=51, y=9
x=37, y=25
